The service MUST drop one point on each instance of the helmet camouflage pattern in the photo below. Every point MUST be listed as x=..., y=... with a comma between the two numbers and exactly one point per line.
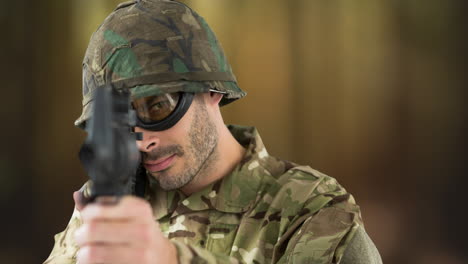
x=153, y=47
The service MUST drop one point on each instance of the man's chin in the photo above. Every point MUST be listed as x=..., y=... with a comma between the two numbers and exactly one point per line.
x=169, y=186
x=171, y=183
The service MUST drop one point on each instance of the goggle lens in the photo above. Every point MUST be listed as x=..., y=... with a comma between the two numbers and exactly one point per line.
x=153, y=109
x=161, y=112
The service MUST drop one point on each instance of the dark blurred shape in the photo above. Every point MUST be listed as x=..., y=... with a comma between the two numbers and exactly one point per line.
x=109, y=153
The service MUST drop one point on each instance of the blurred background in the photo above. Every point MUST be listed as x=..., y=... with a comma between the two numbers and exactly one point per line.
x=370, y=92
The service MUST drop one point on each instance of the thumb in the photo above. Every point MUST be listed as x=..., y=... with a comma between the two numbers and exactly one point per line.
x=79, y=199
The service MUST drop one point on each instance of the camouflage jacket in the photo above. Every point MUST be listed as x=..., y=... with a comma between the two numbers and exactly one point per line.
x=266, y=211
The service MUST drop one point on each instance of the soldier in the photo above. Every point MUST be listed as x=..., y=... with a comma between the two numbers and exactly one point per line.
x=213, y=193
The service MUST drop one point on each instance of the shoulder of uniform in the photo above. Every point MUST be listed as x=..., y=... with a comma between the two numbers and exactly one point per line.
x=305, y=177
x=298, y=193
x=296, y=186
x=302, y=187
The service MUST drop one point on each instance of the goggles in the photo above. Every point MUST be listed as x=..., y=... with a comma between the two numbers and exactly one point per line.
x=161, y=112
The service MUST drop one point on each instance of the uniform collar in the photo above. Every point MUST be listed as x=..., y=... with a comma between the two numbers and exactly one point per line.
x=235, y=193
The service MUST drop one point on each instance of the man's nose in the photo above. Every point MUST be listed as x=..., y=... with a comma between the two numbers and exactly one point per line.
x=149, y=140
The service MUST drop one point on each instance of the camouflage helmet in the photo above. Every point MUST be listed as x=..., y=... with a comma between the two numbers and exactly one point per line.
x=154, y=47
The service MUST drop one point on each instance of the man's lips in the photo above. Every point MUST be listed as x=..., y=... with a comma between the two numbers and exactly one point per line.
x=159, y=165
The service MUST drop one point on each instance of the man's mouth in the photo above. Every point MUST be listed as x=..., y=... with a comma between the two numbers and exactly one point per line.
x=160, y=164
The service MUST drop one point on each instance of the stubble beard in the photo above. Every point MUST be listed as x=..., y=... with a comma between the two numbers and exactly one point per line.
x=199, y=156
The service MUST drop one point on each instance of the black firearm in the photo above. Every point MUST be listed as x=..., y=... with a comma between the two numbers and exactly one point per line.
x=109, y=153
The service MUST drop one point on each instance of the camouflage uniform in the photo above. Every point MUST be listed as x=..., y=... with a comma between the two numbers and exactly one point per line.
x=266, y=211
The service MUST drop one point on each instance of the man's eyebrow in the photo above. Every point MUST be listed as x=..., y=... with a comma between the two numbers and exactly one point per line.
x=156, y=98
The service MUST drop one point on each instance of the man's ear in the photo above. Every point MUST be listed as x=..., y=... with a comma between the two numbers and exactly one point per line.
x=215, y=98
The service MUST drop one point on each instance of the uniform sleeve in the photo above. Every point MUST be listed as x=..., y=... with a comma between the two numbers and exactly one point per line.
x=361, y=249
x=333, y=235
x=65, y=249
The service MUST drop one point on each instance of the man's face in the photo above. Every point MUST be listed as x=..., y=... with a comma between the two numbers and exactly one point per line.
x=180, y=154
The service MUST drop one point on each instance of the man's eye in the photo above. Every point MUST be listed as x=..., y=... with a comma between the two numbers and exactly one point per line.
x=158, y=106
